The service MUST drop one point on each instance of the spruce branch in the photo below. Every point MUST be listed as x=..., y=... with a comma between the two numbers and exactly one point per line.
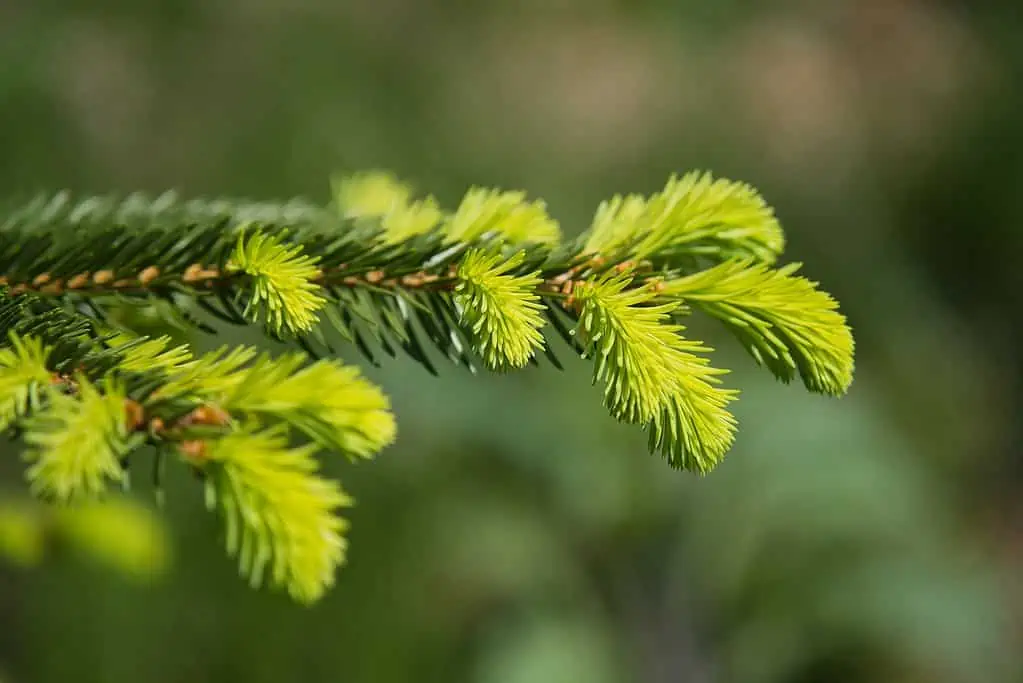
x=783, y=320
x=387, y=270
x=501, y=311
x=506, y=215
x=213, y=374
x=23, y=373
x=82, y=434
x=283, y=291
x=77, y=442
x=139, y=354
x=328, y=402
x=280, y=516
x=654, y=376
x=380, y=195
x=694, y=215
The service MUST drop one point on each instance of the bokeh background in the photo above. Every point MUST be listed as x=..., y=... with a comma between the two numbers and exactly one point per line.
x=515, y=534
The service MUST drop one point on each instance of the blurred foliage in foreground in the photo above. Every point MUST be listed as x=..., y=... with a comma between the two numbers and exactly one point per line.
x=119, y=534
x=512, y=534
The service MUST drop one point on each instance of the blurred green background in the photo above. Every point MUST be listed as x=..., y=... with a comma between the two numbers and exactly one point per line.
x=515, y=534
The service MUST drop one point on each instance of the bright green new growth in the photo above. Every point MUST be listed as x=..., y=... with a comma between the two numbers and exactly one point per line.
x=139, y=355
x=483, y=212
x=407, y=221
x=381, y=195
x=502, y=312
x=75, y=444
x=22, y=372
x=484, y=283
x=783, y=320
x=282, y=289
x=505, y=215
x=374, y=193
x=693, y=215
x=654, y=376
x=356, y=421
x=210, y=376
x=280, y=516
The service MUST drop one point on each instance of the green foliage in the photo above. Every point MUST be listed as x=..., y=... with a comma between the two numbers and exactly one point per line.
x=279, y=515
x=385, y=271
x=654, y=376
x=500, y=311
x=117, y=533
x=695, y=214
x=283, y=292
x=22, y=372
x=120, y=534
x=381, y=195
x=409, y=220
x=22, y=540
x=373, y=193
x=327, y=401
x=76, y=443
x=140, y=355
x=782, y=320
x=211, y=375
x=507, y=215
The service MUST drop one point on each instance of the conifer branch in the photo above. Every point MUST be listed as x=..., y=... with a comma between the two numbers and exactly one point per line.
x=654, y=376
x=280, y=517
x=694, y=215
x=282, y=280
x=23, y=374
x=501, y=311
x=783, y=320
x=76, y=444
x=489, y=281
